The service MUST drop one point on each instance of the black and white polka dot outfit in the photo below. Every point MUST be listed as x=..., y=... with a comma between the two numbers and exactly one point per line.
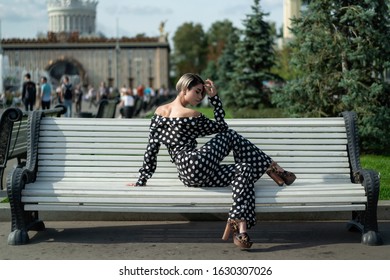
x=201, y=167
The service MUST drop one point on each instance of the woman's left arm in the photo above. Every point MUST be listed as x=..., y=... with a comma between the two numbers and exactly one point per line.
x=213, y=126
x=208, y=126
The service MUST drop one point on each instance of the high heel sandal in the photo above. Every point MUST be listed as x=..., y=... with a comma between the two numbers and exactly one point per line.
x=279, y=175
x=230, y=225
x=241, y=240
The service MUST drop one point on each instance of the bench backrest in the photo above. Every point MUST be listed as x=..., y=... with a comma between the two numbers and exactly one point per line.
x=113, y=149
x=107, y=108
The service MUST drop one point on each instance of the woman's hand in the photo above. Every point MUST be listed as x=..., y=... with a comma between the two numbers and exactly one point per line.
x=210, y=88
x=131, y=184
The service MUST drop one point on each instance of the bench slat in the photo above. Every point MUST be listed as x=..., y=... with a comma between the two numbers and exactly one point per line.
x=256, y=129
x=164, y=152
x=166, y=163
x=192, y=209
x=159, y=175
x=143, y=136
x=258, y=141
x=168, y=184
x=182, y=200
x=166, y=158
x=160, y=193
x=342, y=179
x=336, y=121
x=125, y=169
x=129, y=146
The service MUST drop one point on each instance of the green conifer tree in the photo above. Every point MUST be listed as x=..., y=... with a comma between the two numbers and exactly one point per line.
x=342, y=50
x=254, y=60
x=224, y=70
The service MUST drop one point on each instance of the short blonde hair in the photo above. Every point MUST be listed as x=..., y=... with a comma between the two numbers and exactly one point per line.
x=188, y=81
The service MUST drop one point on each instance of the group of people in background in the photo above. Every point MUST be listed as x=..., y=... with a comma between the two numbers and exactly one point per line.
x=66, y=93
x=131, y=101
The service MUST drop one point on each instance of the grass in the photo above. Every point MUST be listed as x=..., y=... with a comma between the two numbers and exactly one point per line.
x=381, y=164
x=248, y=113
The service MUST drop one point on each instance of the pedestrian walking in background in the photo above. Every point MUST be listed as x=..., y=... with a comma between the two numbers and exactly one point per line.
x=29, y=93
x=67, y=96
x=45, y=94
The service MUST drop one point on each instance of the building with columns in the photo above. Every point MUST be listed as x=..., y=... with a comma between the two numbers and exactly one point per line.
x=73, y=48
x=72, y=16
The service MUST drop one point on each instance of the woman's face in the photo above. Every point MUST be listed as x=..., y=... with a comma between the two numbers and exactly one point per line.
x=195, y=95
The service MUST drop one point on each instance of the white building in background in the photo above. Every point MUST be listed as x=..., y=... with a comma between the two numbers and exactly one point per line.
x=72, y=16
x=73, y=48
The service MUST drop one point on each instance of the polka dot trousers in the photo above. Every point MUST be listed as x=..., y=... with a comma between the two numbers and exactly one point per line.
x=202, y=168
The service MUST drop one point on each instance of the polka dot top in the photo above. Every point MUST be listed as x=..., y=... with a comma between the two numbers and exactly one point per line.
x=179, y=135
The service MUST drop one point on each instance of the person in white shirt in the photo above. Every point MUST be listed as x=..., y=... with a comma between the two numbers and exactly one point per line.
x=126, y=104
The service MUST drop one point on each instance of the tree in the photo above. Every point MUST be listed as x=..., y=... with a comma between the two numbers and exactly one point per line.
x=341, y=49
x=282, y=66
x=217, y=38
x=221, y=37
x=254, y=60
x=190, y=49
x=225, y=68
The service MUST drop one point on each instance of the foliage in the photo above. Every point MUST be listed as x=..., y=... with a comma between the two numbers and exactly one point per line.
x=197, y=51
x=232, y=113
x=211, y=71
x=282, y=66
x=224, y=68
x=216, y=38
x=218, y=45
x=254, y=60
x=341, y=49
x=190, y=49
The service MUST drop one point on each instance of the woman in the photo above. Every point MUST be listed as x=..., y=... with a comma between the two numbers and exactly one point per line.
x=177, y=127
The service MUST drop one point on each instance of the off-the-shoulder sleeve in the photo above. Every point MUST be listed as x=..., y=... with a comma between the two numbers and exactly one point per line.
x=214, y=126
x=150, y=157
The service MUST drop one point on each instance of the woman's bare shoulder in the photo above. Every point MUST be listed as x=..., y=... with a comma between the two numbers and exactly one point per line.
x=170, y=111
x=163, y=110
x=188, y=113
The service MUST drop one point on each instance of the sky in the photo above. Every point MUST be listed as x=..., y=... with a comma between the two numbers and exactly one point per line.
x=27, y=18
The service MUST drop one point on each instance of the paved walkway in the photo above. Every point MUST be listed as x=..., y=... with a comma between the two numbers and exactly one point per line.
x=99, y=240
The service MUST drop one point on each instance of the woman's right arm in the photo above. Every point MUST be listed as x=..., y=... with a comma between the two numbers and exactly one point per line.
x=150, y=157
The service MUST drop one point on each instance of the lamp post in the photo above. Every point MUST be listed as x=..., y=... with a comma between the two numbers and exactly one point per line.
x=117, y=52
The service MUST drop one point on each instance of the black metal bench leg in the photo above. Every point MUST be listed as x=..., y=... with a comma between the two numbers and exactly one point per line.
x=355, y=224
x=371, y=183
x=21, y=221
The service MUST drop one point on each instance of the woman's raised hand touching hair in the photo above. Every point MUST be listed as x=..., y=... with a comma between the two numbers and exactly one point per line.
x=210, y=88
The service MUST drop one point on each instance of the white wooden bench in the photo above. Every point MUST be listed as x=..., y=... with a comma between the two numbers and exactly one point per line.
x=78, y=164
